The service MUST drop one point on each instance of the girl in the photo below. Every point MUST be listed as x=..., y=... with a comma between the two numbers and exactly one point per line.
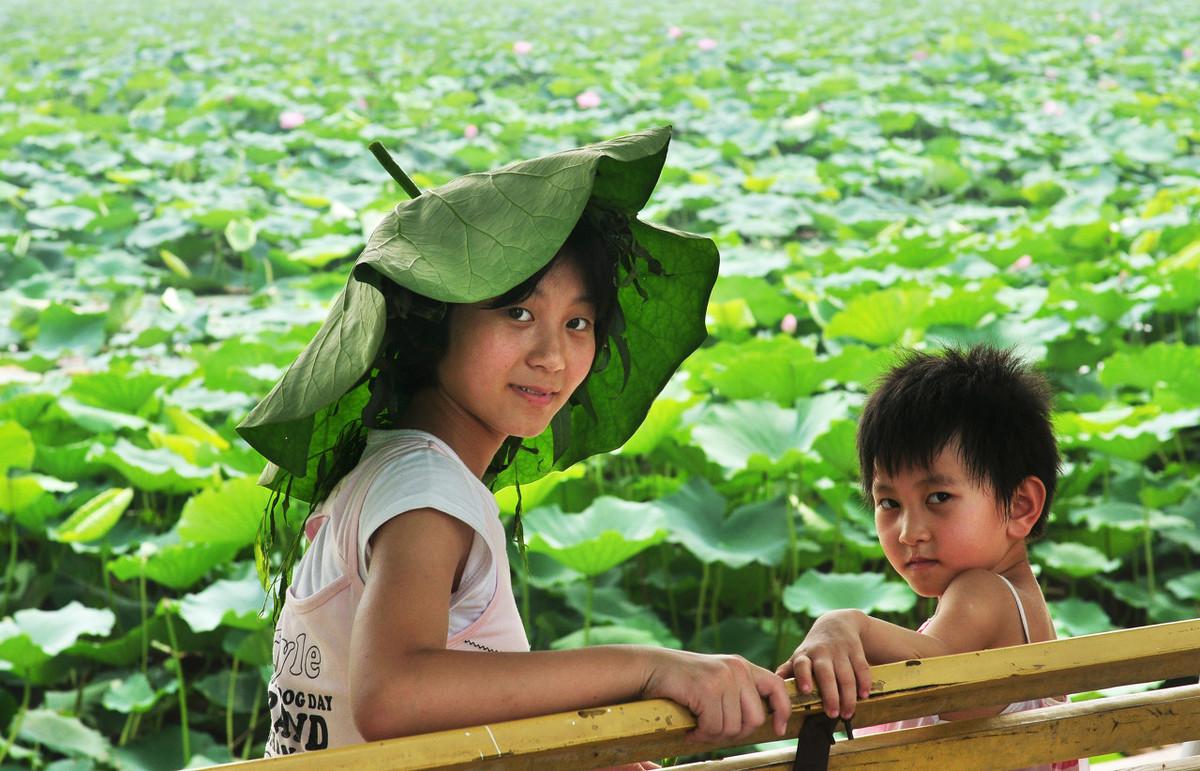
x=960, y=464
x=474, y=343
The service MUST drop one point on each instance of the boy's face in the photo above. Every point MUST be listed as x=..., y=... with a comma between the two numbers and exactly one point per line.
x=937, y=522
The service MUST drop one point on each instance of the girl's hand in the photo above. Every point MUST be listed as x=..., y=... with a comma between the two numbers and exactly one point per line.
x=725, y=693
x=833, y=659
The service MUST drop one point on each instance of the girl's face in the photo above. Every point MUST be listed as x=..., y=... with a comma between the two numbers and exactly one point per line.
x=510, y=369
x=937, y=522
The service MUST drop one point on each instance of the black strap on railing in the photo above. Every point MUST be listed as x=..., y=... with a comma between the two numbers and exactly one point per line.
x=815, y=741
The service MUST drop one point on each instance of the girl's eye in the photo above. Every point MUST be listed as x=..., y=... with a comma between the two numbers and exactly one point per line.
x=517, y=313
x=579, y=324
x=938, y=497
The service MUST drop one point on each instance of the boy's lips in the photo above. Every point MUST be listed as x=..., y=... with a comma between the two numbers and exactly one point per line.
x=916, y=563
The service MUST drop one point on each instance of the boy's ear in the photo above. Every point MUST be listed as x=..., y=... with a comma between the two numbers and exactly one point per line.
x=1026, y=506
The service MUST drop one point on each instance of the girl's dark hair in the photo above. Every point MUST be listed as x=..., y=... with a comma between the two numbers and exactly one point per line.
x=984, y=399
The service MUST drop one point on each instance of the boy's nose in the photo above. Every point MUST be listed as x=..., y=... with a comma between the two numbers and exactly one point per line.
x=913, y=530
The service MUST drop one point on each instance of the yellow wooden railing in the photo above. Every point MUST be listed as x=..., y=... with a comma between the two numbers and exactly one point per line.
x=657, y=728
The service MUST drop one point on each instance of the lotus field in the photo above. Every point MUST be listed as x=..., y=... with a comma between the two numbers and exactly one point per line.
x=183, y=187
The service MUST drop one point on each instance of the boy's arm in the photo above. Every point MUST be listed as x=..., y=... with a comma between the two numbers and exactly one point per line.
x=403, y=680
x=976, y=612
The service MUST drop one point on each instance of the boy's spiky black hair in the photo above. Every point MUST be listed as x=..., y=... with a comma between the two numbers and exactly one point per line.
x=984, y=399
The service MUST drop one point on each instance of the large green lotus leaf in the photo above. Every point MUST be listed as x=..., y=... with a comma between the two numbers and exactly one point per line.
x=31, y=499
x=534, y=493
x=95, y=518
x=16, y=447
x=63, y=328
x=1073, y=559
x=234, y=603
x=1186, y=587
x=613, y=634
x=157, y=469
x=784, y=368
x=815, y=593
x=118, y=389
x=611, y=605
x=61, y=217
x=597, y=539
x=768, y=302
x=227, y=514
x=961, y=309
x=664, y=417
x=164, y=749
x=134, y=694
x=880, y=318
x=731, y=435
x=176, y=565
x=246, y=688
x=1075, y=617
x=1125, y=516
x=31, y=638
x=97, y=419
x=1158, y=367
x=64, y=734
x=696, y=518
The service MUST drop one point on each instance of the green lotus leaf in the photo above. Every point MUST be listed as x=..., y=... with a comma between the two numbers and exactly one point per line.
x=815, y=593
x=1073, y=559
x=33, y=498
x=235, y=603
x=784, y=368
x=134, y=694
x=95, y=518
x=1075, y=617
x=16, y=447
x=246, y=687
x=731, y=435
x=1125, y=516
x=1186, y=587
x=597, y=539
x=696, y=518
x=63, y=328
x=226, y=514
x=53, y=631
x=118, y=389
x=156, y=232
x=61, y=217
x=961, y=309
x=880, y=318
x=612, y=634
x=151, y=751
x=534, y=493
x=64, y=734
x=97, y=419
x=157, y=469
x=175, y=565
x=1158, y=367
x=611, y=605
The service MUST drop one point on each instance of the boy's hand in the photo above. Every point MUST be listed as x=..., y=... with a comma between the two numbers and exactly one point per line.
x=725, y=693
x=832, y=658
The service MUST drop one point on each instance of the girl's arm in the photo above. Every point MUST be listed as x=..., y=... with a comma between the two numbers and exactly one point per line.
x=976, y=612
x=403, y=680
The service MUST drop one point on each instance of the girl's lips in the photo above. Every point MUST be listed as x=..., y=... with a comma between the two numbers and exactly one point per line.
x=534, y=396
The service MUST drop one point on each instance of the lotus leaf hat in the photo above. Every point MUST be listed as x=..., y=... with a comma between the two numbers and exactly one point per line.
x=472, y=239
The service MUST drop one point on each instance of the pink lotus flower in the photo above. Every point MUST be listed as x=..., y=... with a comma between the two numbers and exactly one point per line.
x=360, y=104
x=788, y=324
x=674, y=32
x=1108, y=84
x=470, y=131
x=290, y=119
x=920, y=55
x=1188, y=53
x=1050, y=73
x=706, y=44
x=1021, y=263
x=522, y=47
x=1095, y=17
x=1051, y=107
x=1092, y=39
x=587, y=100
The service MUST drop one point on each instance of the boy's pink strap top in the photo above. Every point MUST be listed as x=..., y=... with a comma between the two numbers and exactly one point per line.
x=309, y=694
x=1020, y=706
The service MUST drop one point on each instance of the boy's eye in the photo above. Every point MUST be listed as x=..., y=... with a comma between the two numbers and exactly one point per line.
x=938, y=497
x=517, y=313
x=579, y=324
x=886, y=503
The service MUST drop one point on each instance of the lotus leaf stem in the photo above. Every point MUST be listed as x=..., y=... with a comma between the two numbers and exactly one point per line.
x=391, y=167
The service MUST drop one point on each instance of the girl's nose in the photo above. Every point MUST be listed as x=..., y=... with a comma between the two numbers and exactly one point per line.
x=548, y=351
